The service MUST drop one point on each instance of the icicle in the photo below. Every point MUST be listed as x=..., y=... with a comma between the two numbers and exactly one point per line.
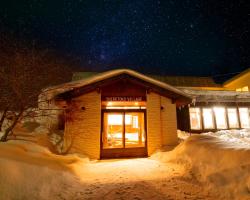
x=193, y=101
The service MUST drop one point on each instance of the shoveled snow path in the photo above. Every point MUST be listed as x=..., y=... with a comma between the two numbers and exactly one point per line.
x=138, y=179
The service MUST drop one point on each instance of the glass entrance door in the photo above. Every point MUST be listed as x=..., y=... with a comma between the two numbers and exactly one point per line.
x=113, y=127
x=134, y=130
x=122, y=132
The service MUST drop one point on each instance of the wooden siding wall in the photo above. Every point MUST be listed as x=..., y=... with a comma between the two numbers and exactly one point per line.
x=83, y=130
x=161, y=122
x=168, y=122
x=153, y=122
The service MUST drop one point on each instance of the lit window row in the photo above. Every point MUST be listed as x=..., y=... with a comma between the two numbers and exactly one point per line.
x=242, y=89
x=219, y=118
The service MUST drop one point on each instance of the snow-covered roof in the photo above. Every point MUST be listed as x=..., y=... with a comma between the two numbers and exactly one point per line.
x=177, y=81
x=51, y=92
x=217, y=95
x=239, y=75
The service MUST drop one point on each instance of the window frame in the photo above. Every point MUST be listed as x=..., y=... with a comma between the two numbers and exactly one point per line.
x=240, y=120
x=237, y=116
x=213, y=118
x=200, y=116
x=225, y=117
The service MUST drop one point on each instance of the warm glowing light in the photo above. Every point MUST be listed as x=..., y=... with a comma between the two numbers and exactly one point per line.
x=123, y=127
x=135, y=122
x=220, y=117
x=128, y=119
x=242, y=89
x=124, y=103
x=233, y=118
x=132, y=137
x=208, y=118
x=244, y=117
x=195, y=118
x=245, y=89
x=109, y=103
x=115, y=119
x=125, y=107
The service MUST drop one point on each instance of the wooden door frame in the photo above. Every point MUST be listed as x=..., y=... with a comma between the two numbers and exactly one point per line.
x=123, y=152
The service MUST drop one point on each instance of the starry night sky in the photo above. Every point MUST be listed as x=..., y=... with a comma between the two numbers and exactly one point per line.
x=175, y=37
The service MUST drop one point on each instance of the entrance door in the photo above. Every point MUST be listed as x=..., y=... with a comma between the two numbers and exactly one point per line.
x=123, y=134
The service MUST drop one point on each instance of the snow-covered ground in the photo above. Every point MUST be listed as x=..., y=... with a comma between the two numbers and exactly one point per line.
x=206, y=166
x=29, y=171
x=219, y=160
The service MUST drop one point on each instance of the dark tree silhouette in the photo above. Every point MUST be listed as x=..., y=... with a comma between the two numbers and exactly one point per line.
x=24, y=71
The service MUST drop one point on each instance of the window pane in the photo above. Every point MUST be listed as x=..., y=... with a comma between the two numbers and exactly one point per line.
x=113, y=128
x=195, y=118
x=244, y=117
x=128, y=119
x=245, y=89
x=134, y=130
x=115, y=119
x=208, y=118
x=232, y=118
x=220, y=117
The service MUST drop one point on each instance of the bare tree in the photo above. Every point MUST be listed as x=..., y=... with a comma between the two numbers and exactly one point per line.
x=24, y=71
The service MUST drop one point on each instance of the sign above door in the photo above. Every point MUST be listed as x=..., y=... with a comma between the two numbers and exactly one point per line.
x=123, y=98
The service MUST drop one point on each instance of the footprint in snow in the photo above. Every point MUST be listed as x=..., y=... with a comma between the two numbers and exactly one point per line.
x=88, y=192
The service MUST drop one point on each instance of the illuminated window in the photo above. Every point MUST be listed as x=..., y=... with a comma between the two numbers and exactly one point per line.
x=135, y=122
x=244, y=117
x=115, y=119
x=123, y=130
x=220, y=117
x=208, y=118
x=134, y=132
x=195, y=118
x=113, y=130
x=242, y=89
x=128, y=119
x=232, y=118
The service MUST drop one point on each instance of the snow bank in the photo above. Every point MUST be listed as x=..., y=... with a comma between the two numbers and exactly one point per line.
x=220, y=165
x=182, y=135
x=238, y=137
x=30, y=171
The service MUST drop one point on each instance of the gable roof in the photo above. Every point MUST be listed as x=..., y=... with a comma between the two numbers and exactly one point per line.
x=82, y=75
x=52, y=92
x=237, y=76
x=180, y=81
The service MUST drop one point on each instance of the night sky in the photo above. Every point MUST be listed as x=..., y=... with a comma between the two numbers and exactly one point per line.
x=175, y=37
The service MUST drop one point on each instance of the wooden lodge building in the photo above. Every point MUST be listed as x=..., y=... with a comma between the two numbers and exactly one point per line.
x=123, y=113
